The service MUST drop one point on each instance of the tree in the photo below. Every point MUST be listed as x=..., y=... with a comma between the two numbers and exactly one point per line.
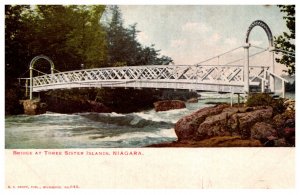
x=123, y=47
x=69, y=35
x=125, y=50
x=15, y=45
x=286, y=41
x=87, y=38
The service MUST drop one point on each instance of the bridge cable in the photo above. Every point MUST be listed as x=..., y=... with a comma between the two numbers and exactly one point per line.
x=249, y=56
x=56, y=70
x=23, y=74
x=258, y=47
x=288, y=52
x=219, y=55
x=38, y=71
x=292, y=56
x=21, y=78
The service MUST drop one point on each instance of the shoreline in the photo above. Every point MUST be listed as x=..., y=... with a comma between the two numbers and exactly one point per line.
x=221, y=122
x=237, y=126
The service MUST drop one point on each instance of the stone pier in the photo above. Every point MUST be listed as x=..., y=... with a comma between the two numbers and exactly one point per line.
x=34, y=107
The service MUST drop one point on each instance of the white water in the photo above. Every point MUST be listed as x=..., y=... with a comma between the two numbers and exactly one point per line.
x=97, y=130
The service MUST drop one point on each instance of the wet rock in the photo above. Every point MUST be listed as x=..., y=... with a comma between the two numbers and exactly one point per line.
x=168, y=105
x=289, y=104
x=290, y=123
x=239, y=109
x=34, y=107
x=263, y=131
x=279, y=120
x=289, y=132
x=289, y=114
x=249, y=123
x=232, y=121
x=187, y=126
x=192, y=100
x=286, y=119
x=242, y=122
x=216, y=125
x=289, y=135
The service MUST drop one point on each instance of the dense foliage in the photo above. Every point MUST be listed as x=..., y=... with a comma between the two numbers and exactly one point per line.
x=123, y=47
x=69, y=35
x=286, y=41
x=264, y=99
x=73, y=37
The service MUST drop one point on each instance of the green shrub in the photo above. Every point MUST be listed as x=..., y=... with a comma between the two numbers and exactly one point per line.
x=278, y=106
x=259, y=99
x=263, y=99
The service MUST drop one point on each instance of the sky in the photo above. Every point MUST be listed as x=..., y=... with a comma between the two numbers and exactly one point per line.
x=190, y=34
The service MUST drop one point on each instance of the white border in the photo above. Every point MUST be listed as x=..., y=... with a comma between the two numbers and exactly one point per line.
x=134, y=2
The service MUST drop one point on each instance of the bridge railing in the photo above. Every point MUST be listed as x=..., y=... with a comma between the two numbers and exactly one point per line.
x=210, y=74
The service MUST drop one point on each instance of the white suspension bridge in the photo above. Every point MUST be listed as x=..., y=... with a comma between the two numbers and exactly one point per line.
x=234, y=79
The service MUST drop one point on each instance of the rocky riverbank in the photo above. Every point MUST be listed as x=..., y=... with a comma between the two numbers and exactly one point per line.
x=35, y=107
x=242, y=126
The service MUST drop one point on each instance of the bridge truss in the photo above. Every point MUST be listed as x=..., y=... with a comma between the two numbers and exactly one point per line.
x=227, y=78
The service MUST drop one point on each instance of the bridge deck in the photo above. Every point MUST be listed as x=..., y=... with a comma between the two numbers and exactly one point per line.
x=219, y=78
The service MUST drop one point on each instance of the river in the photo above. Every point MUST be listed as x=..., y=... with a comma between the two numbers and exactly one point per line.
x=99, y=130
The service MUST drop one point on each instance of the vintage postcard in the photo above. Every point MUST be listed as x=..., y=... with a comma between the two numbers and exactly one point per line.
x=149, y=96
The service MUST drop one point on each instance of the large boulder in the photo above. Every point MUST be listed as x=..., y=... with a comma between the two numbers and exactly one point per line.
x=232, y=121
x=168, y=105
x=222, y=123
x=187, y=126
x=286, y=119
x=219, y=124
x=279, y=120
x=34, y=107
x=192, y=100
x=289, y=104
x=221, y=120
x=263, y=131
x=242, y=122
x=289, y=135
